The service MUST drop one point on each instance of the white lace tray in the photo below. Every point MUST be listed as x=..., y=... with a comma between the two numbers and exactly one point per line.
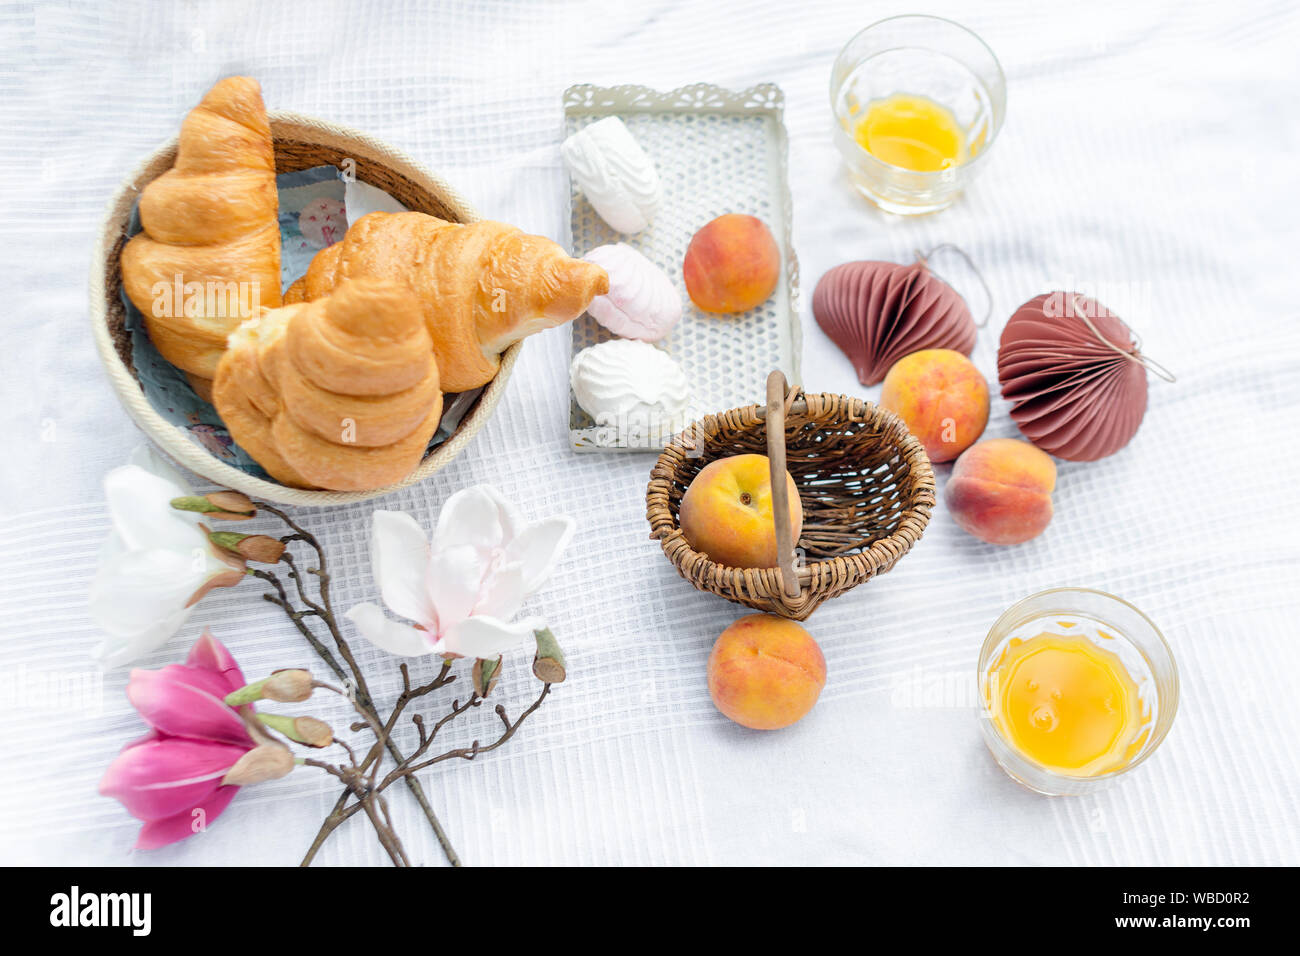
x=717, y=151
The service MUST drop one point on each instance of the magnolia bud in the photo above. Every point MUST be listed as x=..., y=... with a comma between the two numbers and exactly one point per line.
x=261, y=548
x=548, y=664
x=264, y=762
x=485, y=675
x=251, y=547
x=222, y=505
x=288, y=686
x=313, y=732
x=303, y=730
x=231, y=505
x=285, y=686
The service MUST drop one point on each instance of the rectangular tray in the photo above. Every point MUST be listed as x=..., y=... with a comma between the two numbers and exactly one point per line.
x=717, y=151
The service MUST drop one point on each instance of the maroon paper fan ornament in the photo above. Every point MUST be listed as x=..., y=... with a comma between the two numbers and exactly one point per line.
x=878, y=312
x=1074, y=375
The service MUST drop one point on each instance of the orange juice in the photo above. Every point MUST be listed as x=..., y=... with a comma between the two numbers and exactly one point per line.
x=912, y=132
x=1066, y=703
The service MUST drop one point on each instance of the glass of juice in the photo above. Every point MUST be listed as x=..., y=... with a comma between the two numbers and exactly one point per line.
x=918, y=102
x=1077, y=687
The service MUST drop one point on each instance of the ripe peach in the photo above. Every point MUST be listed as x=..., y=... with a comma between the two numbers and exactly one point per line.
x=765, y=672
x=1001, y=491
x=732, y=264
x=942, y=398
x=726, y=512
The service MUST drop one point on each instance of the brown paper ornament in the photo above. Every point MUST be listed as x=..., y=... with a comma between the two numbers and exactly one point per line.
x=878, y=312
x=1074, y=375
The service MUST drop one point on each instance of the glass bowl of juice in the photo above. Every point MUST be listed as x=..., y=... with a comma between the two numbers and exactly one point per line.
x=918, y=102
x=1077, y=687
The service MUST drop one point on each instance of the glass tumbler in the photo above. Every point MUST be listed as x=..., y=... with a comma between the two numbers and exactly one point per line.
x=921, y=56
x=1126, y=632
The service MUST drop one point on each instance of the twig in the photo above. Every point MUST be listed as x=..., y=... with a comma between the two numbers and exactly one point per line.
x=465, y=752
x=367, y=798
x=407, y=770
x=358, y=679
x=339, y=814
x=361, y=779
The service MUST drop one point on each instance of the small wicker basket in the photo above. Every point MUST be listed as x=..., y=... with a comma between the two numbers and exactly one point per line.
x=301, y=142
x=864, y=481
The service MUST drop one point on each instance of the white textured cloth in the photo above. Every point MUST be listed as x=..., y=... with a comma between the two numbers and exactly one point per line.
x=1148, y=147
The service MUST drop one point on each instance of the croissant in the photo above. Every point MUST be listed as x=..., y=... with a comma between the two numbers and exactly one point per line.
x=483, y=285
x=209, y=254
x=340, y=393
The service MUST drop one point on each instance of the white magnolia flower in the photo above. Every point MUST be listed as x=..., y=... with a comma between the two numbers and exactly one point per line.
x=154, y=566
x=462, y=589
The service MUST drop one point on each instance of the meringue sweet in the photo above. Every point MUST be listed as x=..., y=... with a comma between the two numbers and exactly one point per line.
x=642, y=302
x=630, y=385
x=614, y=173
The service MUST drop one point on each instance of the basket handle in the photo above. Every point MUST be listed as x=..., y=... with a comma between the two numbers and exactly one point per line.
x=776, y=394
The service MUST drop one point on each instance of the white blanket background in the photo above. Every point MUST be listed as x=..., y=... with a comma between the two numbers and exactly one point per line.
x=1149, y=148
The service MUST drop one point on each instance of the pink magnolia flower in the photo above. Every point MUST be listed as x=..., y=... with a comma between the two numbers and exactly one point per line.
x=173, y=777
x=463, y=588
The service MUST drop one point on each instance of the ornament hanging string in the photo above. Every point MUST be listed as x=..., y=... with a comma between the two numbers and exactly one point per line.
x=970, y=263
x=1135, y=355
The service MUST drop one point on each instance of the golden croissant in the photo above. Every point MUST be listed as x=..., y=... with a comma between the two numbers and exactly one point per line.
x=340, y=393
x=210, y=251
x=483, y=285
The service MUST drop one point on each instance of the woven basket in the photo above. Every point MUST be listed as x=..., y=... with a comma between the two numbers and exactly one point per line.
x=864, y=481
x=300, y=143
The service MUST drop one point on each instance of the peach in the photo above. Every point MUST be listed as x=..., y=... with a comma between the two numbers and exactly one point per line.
x=765, y=672
x=942, y=398
x=732, y=264
x=1001, y=491
x=726, y=512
